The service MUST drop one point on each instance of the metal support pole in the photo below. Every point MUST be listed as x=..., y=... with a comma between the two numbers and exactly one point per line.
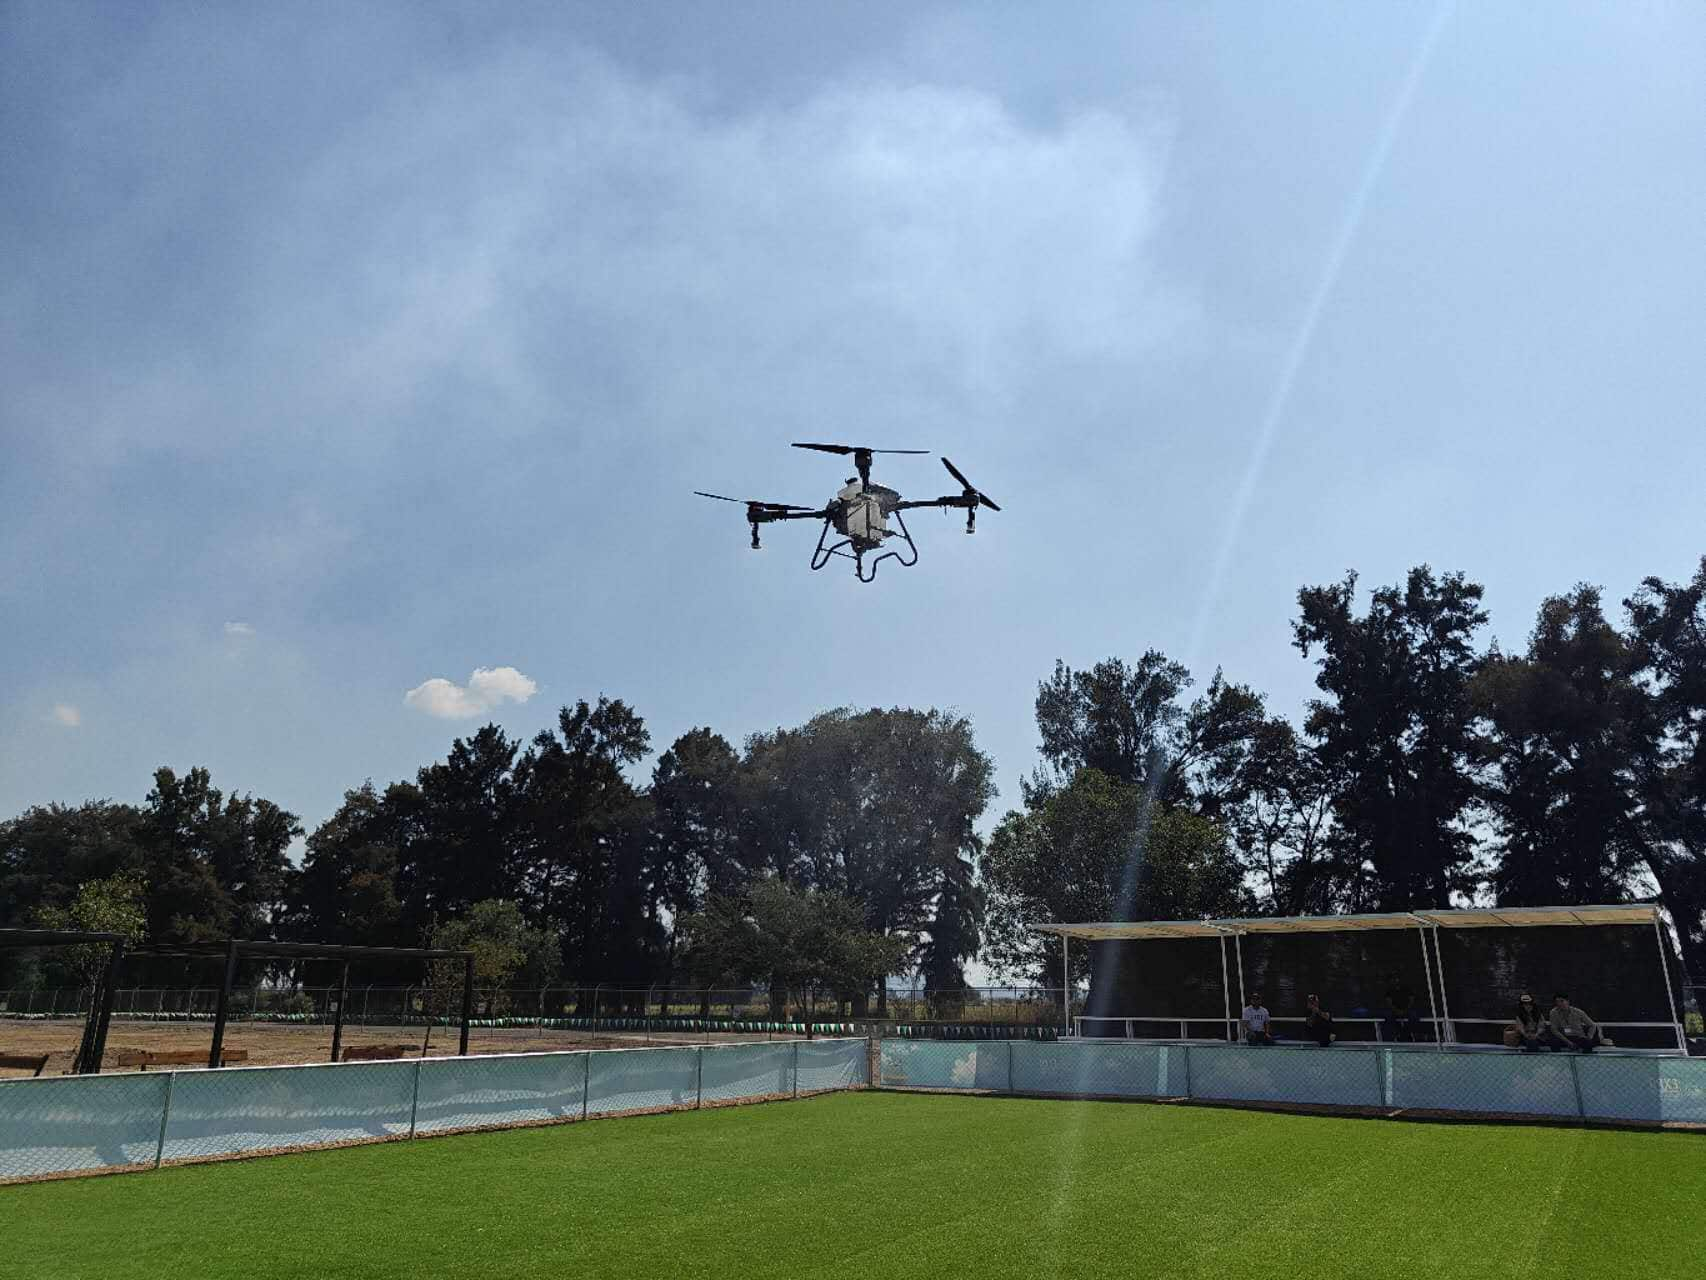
x=165, y=1116
x=338, y=1022
x=1450, y=1036
x=699, y=1078
x=1670, y=998
x=99, y=1049
x=586, y=1084
x=796, y=1068
x=467, y=1001
x=214, y=1056
x=1428, y=974
x=1225, y=993
x=1238, y=946
x=1065, y=984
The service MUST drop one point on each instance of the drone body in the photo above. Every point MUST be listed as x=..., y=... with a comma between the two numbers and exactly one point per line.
x=860, y=513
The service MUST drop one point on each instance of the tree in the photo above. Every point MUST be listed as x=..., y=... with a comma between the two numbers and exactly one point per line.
x=110, y=905
x=507, y=952
x=1100, y=849
x=1395, y=730
x=1280, y=822
x=462, y=837
x=1567, y=725
x=792, y=939
x=47, y=851
x=878, y=806
x=697, y=813
x=1128, y=723
x=1668, y=622
x=346, y=891
x=216, y=866
x=586, y=867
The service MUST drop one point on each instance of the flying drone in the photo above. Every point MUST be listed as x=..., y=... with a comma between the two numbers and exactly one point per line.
x=860, y=513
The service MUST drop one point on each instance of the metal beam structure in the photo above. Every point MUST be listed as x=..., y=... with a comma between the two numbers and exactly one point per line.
x=1423, y=922
x=237, y=949
x=93, y=1044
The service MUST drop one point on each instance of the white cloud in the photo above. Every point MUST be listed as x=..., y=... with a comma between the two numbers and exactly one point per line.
x=486, y=688
x=66, y=714
x=239, y=629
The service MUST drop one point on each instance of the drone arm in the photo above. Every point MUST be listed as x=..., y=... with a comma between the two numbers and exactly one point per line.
x=947, y=500
x=966, y=501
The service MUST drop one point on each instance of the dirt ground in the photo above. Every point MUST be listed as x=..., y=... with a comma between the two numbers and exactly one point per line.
x=274, y=1044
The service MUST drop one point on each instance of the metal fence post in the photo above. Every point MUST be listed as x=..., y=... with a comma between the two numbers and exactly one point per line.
x=699, y=1077
x=1576, y=1080
x=1187, y=1049
x=1381, y=1057
x=586, y=1084
x=165, y=1115
x=796, y=1068
x=1009, y=1066
x=415, y=1100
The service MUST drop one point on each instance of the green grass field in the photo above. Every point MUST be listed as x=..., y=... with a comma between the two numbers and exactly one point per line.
x=881, y=1185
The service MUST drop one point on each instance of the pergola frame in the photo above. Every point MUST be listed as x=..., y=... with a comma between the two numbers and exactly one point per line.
x=93, y=1045
x=236, y=949
x=1426, y=923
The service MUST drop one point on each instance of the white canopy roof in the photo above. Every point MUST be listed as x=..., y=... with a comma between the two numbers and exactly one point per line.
x=1473, y=918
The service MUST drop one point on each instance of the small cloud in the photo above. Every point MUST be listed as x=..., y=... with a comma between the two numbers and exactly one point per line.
x=486, y=688
x=66, y=714
x=239, y=629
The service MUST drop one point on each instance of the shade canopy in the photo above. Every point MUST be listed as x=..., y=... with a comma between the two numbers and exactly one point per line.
x=1472, y=918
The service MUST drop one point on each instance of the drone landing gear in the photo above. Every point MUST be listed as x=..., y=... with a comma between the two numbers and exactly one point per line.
x=823, y=554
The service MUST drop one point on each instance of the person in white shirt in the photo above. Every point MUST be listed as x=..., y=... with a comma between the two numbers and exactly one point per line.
x=1253, y=1025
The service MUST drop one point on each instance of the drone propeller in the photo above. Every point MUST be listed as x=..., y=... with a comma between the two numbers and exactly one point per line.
x=972, y=490
x=753, y=502
x=861, y=455
x=853, y=448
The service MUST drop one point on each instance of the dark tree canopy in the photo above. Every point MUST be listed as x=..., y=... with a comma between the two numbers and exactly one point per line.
x=1668, y=625
x=1100, y=849
x=1394, y=729
x=1430, y=771
x=1567, y=725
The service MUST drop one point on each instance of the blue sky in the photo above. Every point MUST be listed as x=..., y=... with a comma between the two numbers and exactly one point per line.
x=346, y=348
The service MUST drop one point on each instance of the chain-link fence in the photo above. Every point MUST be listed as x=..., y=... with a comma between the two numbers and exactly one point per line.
x=53, y=1127
x=390, y=1006
x=1603, y=1086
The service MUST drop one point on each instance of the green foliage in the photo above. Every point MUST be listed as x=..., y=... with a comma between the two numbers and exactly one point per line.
x=506, y=950
x=791, y=939
x=115, y=904
x=1394, y=729
x=1129, y=724
x=879, y=806
x=1667, y=622
x=1565, y=727
x=1100, y=849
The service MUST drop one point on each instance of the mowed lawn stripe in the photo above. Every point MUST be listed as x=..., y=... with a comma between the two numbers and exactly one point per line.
x=881, y=1185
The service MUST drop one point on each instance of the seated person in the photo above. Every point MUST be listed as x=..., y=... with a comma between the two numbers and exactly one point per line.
x=1527, y=1031
x=1401, y=1025
x=1571, y=1028
x=1254, y=1022
x=1318, y=1023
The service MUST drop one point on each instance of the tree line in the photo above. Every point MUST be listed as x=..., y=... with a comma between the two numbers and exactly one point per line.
x=831, y=854
x=1432, y=769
